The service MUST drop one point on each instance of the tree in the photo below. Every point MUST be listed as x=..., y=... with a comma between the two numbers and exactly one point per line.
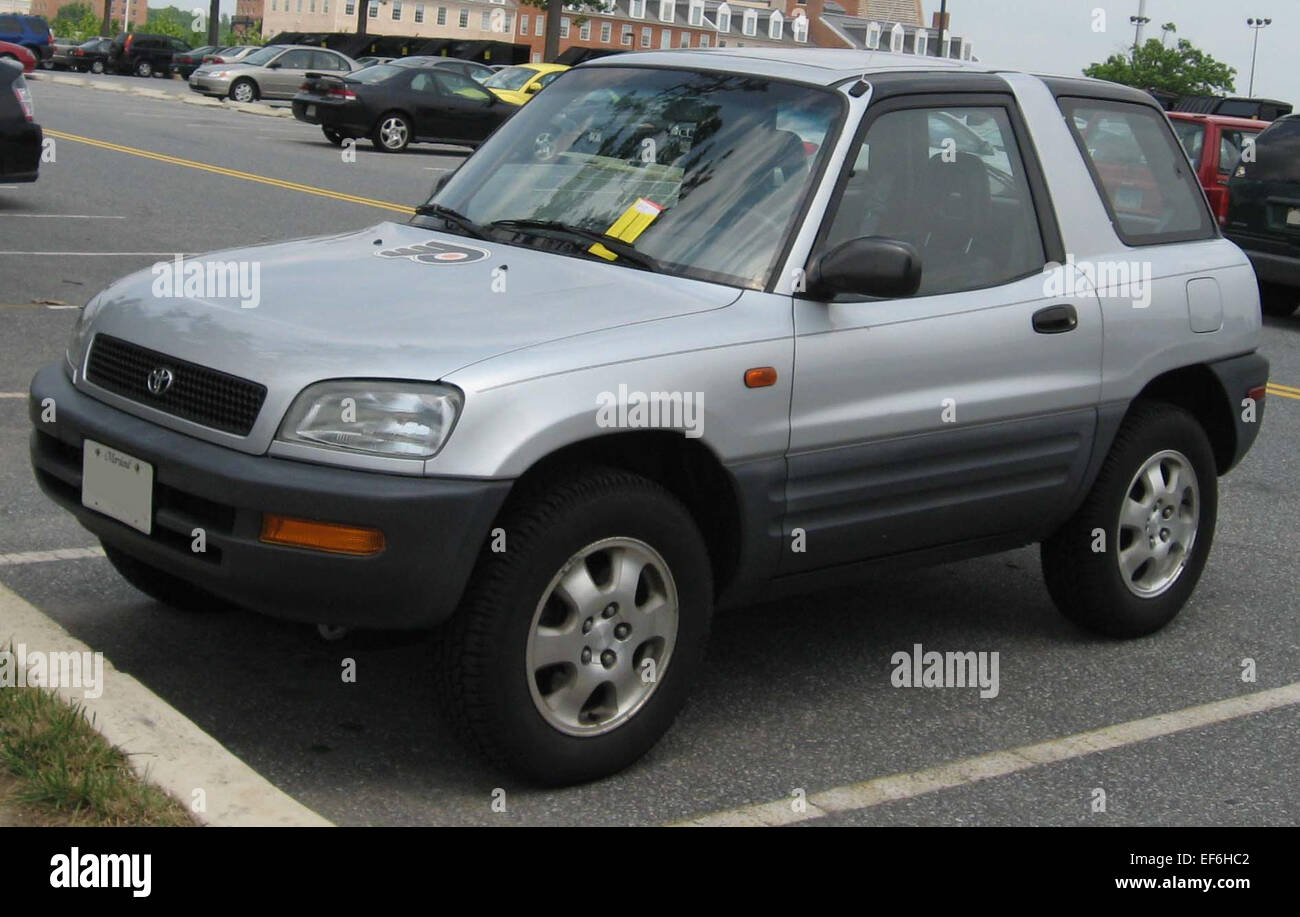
x=1183, y=69
x=554, y=10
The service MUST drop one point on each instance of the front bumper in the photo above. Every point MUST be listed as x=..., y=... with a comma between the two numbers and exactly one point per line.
x=433, y=527
x=210, y=85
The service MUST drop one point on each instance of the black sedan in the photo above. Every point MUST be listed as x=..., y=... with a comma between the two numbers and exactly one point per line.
x=90, y=55
x=397, y=105
x=20, y=136
x=186, y=62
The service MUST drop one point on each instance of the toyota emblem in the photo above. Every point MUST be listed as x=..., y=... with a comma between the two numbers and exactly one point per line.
x=159, y=380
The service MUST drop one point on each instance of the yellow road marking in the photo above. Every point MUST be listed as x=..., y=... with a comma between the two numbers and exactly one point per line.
x=1281, y=394
x=232, y=173
x=1284, y=388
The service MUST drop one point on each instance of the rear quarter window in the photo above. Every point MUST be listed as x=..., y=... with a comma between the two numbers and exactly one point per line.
x=1141, y=171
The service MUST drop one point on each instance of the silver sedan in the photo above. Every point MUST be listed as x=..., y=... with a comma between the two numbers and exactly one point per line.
x=273, y=72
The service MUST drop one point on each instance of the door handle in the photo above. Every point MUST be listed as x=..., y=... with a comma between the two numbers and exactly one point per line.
x=1056, y=319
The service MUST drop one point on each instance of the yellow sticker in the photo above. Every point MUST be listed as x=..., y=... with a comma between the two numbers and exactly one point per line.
x=634, y=221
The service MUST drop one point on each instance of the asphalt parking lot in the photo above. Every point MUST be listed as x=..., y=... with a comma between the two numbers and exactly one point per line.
x=795, y=695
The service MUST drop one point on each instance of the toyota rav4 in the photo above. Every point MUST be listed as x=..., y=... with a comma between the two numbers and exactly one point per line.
x=690, y=330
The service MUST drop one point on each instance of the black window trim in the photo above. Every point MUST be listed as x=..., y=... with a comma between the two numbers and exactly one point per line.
x=948, y=97
x=1066, y=102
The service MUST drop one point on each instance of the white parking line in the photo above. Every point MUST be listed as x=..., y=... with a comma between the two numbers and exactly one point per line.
x=62, y=216
x=13, y=394
x=41, y=557
x=968, y=771
x=95, y=254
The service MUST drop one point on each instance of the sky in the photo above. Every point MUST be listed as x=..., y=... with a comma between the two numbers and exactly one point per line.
x=1056, y=36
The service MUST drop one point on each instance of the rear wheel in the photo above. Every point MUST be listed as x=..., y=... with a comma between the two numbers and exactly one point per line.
x=1127, y=561
x=164, y=587
x=1278, y=301
x=576, y=646
x=392, y=132
x=143, y=68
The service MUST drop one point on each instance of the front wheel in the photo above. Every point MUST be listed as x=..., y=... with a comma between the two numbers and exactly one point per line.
x=244, y=90
x=333, y=135
x=1127, y=561
x=97, y=67
x=576, y=645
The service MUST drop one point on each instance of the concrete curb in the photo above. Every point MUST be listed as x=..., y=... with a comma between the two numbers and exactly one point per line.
x=248, y=108
x=164, y=747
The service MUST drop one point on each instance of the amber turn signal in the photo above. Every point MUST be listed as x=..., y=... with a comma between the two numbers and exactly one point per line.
x=321, y=536
x=760, y=377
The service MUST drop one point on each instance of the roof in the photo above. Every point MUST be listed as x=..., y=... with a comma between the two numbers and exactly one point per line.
x=824, y=66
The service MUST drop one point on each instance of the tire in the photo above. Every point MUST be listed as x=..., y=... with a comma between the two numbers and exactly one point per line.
x=47, y=65
x=97, y=67
x=143, y=68
x=498, y=691
x=163, y=587
x=392, y=132
x=244, y=90
x=333, y=135
x=1088, y=585
x=1278, y=301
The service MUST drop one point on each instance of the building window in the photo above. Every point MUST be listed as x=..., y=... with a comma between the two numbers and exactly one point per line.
x=442, y=15
x=349, y=8
x=800, y=28
x=666, y=10
x=300, y=6
x=462, y=19
x=523, y=25
x=273, y=2
x=724, y=18
x=606, y=30
x=312, y=6
x=646, y=37
x=665, y=39
x=325, y=6
x=776, y=26
x=485, y=21
x=509, y=25
x=636, y=9
x=749, y=23
x=372, y=11
x=873, y=35
x=695, y=15
x=584, y=30
x=419, y=11
x=684, y=40
x=397, y=10
x=539, y=25
x=921, y=42
x=896, y=38
x=704, y=40
x=564, y=27
x=625, y=36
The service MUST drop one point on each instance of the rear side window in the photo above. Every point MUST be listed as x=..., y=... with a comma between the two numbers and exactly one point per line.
x=10, y=25
x=1149, y=189
x=1232, y=142
x=1277, y=154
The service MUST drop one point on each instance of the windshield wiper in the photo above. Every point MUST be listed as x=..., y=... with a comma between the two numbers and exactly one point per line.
x=454, y=218
x=623, y=249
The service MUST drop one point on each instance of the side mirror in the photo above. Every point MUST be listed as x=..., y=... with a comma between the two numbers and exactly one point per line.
x=531, y=88
x=274, y=65
x=442, y=181
x=867, y=266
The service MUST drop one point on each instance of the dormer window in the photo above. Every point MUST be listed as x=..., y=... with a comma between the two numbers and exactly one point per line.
x=749, y=23
x=873, y=35
x=695, y=14
x=724, y=18
x=636, y=9
x=775, y=26
x=800, y=28
x=897, y=37
x=666, y=10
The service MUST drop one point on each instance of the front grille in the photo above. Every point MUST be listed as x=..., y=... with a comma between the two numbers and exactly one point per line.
x=206, y=396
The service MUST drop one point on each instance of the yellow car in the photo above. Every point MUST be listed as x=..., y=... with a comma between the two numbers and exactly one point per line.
x=521, y=82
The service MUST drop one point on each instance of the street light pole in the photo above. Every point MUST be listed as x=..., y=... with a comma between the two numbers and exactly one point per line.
x=941, y=50
x=1256, y=25
x=1139, y=21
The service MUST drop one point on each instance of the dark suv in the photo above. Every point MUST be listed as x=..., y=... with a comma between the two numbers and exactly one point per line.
x=144, y=54
x=1264, y=214
x=32, y=32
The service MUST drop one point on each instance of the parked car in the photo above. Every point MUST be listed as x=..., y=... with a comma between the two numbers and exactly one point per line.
x=91, y=55
x=144, y=54
x=272, y=72
x=186, y=62
x=558, y=414
x=399, y=103
x=31, y=32
x=230, y=55
x=1264, y=213
x=521, y=82
x=17, y=54
x=1214, y=144
x=370, y=61
x=61, y=54
x=20, y=135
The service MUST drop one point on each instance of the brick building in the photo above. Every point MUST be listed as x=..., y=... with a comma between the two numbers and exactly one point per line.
x=139, y=9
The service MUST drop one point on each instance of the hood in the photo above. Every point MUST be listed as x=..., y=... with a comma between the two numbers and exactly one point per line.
x=394, y=301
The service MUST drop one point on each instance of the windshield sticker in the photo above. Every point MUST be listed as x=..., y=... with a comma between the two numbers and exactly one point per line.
x=437, y=253
x=634, y=221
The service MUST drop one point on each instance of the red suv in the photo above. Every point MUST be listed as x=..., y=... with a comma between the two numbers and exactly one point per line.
x=1214, y=144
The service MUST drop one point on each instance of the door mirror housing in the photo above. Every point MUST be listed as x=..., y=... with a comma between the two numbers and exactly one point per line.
x=867, y=266
x=273, y=65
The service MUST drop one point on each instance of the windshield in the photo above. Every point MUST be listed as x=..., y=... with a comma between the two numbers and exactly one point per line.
x=510, y=78
x=262, y=56
x=702, y=172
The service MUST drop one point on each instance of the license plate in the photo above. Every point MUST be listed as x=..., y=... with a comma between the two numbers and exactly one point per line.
x=311, y=111
x=1293, y=216
x=118, y=485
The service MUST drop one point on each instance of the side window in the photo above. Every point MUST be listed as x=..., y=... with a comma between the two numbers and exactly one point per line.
x=951, y=182
x=1148, y=187
x=547, y=79
x=424, y=82
x=295, y=60
x=463, y=86
x=1277, y=154
x=1232, y=143
x=323, y=60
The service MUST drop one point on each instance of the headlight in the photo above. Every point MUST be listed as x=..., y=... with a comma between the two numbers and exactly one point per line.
x=398, y=419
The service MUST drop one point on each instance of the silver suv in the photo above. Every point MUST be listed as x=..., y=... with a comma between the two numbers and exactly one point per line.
x=690, y=330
